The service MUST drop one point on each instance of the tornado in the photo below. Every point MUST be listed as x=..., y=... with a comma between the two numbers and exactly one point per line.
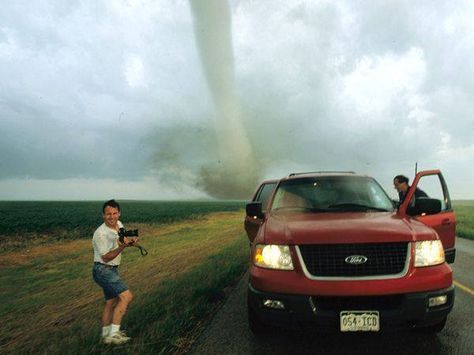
x=235, y=173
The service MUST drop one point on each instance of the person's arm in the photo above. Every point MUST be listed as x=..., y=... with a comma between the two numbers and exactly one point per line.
x=111, y=255
x=420, y=193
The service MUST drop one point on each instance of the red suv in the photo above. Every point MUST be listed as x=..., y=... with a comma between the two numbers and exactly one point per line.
x=331, y=249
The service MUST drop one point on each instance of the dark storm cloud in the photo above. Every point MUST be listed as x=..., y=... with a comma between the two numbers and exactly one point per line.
x=68, y=109
x=59, y=150
x=116, y=90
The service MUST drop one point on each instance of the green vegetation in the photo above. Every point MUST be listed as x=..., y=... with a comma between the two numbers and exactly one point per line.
x=51, y=304
x=465, y=218
x=28, y=223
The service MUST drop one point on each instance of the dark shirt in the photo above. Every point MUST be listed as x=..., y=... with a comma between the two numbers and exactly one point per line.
x=418, y=193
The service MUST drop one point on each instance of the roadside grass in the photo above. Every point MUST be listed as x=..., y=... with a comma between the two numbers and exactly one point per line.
x=52, y=306
x=464, y=218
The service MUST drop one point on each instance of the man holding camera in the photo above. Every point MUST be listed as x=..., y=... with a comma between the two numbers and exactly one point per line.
x=107, y=256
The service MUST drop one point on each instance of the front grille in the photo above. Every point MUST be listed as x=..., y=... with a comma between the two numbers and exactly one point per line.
x=338, y=303
x=328, y=260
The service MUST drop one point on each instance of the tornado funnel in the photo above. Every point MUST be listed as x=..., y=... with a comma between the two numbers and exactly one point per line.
x=234, y=175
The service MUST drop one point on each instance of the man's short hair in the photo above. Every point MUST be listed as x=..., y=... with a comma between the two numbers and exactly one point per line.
x=401, y=179
x=110, y=203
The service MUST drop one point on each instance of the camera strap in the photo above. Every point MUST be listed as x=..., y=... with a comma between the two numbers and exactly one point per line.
x=142, y=250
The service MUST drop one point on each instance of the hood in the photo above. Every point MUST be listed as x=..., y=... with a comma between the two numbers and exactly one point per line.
x=346, y=227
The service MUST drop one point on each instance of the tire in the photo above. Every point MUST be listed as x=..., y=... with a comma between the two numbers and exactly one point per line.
x=435, y=328
x=257, y=327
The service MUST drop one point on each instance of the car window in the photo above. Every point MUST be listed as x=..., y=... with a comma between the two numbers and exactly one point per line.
x=264, y=194
x=430, y=186
x=330, y=193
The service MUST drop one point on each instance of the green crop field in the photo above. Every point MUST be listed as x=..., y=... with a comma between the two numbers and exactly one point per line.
x=465, y=218
x=23, y=224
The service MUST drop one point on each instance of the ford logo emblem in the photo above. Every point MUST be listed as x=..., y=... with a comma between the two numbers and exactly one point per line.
x=356, y=259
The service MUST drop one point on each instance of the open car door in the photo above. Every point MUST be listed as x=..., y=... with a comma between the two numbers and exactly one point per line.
x=434, y=210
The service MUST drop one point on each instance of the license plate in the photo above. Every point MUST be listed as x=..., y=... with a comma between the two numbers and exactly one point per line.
x=360, y=321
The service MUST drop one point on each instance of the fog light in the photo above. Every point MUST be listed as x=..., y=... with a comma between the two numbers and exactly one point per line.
x=437, y=301
x=274, y=304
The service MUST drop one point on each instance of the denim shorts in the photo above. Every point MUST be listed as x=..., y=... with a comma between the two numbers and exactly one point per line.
x=108, y=278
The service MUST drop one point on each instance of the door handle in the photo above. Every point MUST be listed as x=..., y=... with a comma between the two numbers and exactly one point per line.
x=446, y=222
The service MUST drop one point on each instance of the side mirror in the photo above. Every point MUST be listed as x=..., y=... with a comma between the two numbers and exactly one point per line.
x=425, y=206
x=254, y=209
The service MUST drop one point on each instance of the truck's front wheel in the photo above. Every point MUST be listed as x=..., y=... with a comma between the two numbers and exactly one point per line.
x=255, y=324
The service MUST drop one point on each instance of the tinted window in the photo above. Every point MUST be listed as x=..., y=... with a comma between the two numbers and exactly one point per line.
x=264, y=194
x=332, y=193
x=430, y=185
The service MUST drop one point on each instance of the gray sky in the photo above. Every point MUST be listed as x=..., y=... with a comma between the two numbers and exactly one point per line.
x=102, y=99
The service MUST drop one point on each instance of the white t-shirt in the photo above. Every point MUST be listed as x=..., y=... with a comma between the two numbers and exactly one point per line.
x=104, y=240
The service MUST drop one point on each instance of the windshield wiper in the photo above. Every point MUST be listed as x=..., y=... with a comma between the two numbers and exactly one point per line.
x=357, y=205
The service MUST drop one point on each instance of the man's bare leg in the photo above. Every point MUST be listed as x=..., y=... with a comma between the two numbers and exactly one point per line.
x=109, y=311
x=120, y=308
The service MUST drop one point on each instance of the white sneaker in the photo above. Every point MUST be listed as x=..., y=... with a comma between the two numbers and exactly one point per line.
x=117, y=338
x=122, y=332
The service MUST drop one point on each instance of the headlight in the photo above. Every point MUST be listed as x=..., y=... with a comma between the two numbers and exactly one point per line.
x=429, y=252
x=273, y=257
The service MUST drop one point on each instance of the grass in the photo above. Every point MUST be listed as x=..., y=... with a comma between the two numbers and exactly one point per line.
x=51, y=305
x=465, y=219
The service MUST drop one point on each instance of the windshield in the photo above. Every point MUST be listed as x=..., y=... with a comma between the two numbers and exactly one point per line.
x=331, y=193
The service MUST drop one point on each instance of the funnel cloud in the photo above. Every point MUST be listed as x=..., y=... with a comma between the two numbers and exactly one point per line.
x=235, y=173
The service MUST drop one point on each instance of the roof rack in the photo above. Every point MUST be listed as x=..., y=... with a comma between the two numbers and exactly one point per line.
x=323, y=172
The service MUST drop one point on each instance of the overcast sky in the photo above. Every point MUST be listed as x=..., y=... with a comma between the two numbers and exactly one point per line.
x=102, y=99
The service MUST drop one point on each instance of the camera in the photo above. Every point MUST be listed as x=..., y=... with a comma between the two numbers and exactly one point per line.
x=122, y=232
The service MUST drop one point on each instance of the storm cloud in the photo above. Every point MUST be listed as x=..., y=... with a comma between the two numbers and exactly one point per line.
x=114, y=95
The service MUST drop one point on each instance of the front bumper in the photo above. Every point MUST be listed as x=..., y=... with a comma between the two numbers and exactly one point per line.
x=396, y=311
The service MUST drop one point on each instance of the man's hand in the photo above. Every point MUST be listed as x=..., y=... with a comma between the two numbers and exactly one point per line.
x=124, y=244
x=129, y=241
